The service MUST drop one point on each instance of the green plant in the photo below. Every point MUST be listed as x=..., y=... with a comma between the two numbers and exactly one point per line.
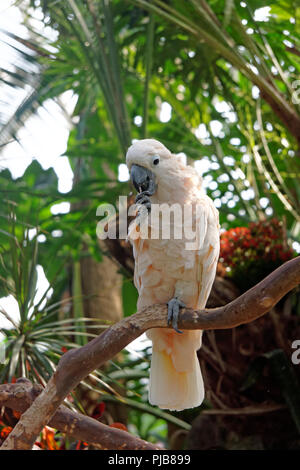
x=35, y=341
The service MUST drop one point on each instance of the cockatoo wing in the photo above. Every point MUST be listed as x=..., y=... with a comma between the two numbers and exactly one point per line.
x=207, y=256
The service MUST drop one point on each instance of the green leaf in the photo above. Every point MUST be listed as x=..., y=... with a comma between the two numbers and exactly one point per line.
x=129, y=296
x=253, y=373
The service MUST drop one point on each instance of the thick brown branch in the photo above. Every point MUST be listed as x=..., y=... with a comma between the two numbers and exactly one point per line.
x=77, y=364
x=20, y=396
x=289, y=117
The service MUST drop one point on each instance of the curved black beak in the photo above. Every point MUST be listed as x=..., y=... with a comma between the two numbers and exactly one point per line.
x=143, y=179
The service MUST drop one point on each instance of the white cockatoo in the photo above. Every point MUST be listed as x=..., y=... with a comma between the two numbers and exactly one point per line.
x=175, y=270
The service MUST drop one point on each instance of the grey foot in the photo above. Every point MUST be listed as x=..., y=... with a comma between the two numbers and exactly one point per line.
x=174, y=306
x=144, y=199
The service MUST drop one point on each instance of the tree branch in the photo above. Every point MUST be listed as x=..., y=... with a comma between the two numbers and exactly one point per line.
x=76, y=364
x=20, y=396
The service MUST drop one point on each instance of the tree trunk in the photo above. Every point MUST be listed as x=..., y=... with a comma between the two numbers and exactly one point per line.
x=101, y=286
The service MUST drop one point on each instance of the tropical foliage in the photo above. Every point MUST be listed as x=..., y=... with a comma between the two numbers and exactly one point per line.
x=227, y=74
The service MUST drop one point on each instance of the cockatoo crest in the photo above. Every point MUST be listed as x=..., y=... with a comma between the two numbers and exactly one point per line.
x=141, y=152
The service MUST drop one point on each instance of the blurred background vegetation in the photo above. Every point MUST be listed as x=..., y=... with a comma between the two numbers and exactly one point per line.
x=215, y=80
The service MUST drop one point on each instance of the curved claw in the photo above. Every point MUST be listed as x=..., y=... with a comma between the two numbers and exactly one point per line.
x=144, y=199
x=142, y=195
x=174, y=306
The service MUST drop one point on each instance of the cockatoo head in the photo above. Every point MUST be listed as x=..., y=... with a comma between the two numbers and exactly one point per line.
x=155, y=169
x=148, y=161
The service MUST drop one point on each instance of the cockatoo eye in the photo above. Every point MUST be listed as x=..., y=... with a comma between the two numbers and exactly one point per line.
x=155, y=160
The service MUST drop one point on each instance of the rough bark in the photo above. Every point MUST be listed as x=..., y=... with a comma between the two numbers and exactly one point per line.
x=20, y=396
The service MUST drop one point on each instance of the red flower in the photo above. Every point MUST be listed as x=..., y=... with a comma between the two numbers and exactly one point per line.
x=80, y=445
x=16, y=414
x=98, y=410
x=118, y=426
x=5, y=432
x=256, y=248
x=47, y=439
